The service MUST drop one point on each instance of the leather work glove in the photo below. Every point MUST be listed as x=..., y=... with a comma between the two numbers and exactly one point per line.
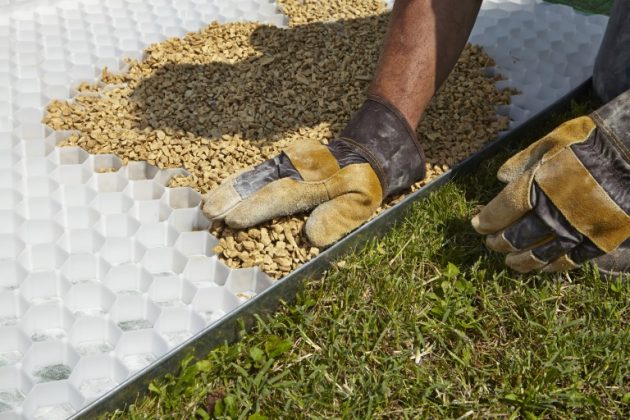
x=568, y=195
x=375, y=156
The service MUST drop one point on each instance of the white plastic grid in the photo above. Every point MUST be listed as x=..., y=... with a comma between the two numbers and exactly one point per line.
x=102, y=273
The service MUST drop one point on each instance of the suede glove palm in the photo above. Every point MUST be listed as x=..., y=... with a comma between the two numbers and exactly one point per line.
x=568, y=195
x=375, y=156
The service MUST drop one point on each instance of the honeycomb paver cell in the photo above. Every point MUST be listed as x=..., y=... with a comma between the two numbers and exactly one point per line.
x=12, y=308
x=91, y=335
x=188, y=219
x=116, y=251
x=159, y=234
x=104, y=163
x=10, y=246
x=197, y=243
x=128, y=278
x=138, y=171
x=49, y=361
x=108, y=182
x=164, y=261
x=89, y=298
x=169, y=290
x=116, y=225
x=111, y=202
x=10, y=222
x=48, y=321
x=150, y=211
x=205, y=271
x=134, y=312
x=77, y=217
x=137, y=349
x=182, y=198
x=145, y=189
x=103, y=267
x=37, y=257
x=84, y=266
x=95, y=375
x=247, y=282
x=44, y=286
x=14, y=386
x=52, y=400
x=211, y=303
x=13, y=345
x=176, y=324
x=75, y=195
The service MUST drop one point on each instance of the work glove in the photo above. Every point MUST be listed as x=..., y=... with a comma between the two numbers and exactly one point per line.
x=375, y=156
x=567, y=200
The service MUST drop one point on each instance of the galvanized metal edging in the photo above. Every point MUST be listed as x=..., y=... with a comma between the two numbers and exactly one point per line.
x=285, y=289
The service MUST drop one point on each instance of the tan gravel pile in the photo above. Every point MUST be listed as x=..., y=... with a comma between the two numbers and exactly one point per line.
x=233, y=95
x=309, y=11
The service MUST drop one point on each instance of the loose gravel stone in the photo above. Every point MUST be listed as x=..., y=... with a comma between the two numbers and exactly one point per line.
x=233, y=95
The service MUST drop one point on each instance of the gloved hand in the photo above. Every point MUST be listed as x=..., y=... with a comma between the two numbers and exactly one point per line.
x=375, y=156
x=568, y=195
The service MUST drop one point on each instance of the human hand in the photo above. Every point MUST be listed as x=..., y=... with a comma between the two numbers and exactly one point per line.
x=345, y=181
x=568, y=195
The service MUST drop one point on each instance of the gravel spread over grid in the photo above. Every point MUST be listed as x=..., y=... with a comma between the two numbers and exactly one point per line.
x=233, y=95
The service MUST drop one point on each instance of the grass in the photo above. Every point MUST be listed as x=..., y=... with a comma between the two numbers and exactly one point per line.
x=588, y=6
x=424, y=322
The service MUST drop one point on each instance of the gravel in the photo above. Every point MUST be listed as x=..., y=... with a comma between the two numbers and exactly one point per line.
x=233, y=95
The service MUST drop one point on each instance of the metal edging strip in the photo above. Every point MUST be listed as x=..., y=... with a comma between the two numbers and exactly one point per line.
x=286, y=288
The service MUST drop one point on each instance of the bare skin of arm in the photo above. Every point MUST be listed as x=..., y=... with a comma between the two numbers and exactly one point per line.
x=423, y=43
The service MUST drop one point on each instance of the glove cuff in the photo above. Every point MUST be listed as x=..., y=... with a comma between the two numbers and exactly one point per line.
x=380, y=133
x=606, y=153
x=613, y=119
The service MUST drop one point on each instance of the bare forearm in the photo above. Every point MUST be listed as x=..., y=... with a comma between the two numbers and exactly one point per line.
x=423, y=43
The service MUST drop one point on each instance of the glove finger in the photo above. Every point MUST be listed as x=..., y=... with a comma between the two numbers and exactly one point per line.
x=585, y=251
x=536, y=228
x=539, y=257
x=582, y=253
x=572, y=131
x=558, y=244
x=510, y=205
x=220, y=200
x=524, y=261
x=333, y=219
x=240, y=186
x=356, y=194
x=524, y=234
x=302, y=171
x=279, y=198
x=562, y=263
x=554, y=249
x=551, y=256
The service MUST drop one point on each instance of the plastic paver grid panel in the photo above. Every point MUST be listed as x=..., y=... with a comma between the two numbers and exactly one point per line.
x=103, y=268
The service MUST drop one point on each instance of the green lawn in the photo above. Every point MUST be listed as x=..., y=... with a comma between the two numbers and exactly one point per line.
x=424, y=322
x=588, y=6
